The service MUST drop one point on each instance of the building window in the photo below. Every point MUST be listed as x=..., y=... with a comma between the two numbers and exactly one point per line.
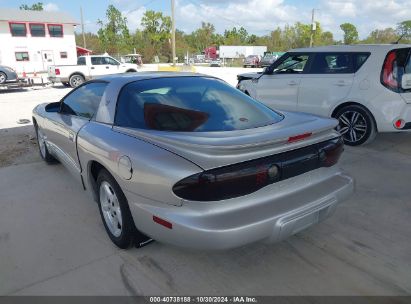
x=63, y=55
x=22, y=56
x=37, y=30
x=18, y=29
x=55, y=30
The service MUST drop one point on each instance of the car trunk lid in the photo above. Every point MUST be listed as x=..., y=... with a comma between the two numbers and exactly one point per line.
x=215, y=149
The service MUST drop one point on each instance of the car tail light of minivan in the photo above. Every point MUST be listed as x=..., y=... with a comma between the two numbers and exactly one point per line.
x=57, y=71
x=389, y=71
x=247, y=177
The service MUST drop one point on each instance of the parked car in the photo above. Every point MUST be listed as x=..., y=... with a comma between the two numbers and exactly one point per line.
x=88, y=67
x=252, y=61
x=268, y=60
x=7, y=75
x=366, y=87
x=215, y=63
x=189, y=160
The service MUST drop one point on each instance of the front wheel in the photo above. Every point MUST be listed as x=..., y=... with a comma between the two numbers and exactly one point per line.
x=3, y=77
x=44, y=152
x=356, y=125
x=115, y=213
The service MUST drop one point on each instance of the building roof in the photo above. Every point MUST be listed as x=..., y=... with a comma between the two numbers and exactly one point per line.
x=10, y=14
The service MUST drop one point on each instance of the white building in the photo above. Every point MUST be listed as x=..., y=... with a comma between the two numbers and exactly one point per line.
x=30, y=41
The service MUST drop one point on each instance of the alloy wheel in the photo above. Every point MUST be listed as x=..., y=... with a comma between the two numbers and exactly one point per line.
x=352, y=126
x=2, y=78
x=41, y=142
x=110, y=208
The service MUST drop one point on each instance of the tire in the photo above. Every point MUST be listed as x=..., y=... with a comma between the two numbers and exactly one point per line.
x=66, y=84
x=44, y=152
x=115, y=213
x=3, y=77
x=76, y=80
x=356, y=125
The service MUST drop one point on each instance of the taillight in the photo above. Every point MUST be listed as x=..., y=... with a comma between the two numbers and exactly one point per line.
x=247, y=177
x=227, y=182
x=57, y=71
x=330, y=152
x=389, y=74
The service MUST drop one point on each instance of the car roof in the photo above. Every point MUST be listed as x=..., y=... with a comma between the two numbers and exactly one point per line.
x=351, y=48
x=122, y=79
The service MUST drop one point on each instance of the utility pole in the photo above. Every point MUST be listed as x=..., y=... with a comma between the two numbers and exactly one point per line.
x=173, y=31
x=82, y=28
x=312, y=28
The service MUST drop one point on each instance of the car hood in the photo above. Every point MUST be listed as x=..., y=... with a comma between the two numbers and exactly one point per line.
x=215, y=149
x=247, y=76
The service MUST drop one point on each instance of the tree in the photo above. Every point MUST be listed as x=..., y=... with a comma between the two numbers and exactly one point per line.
x=114, y=34
x=157, y=32
x=387, y=35
x=35, y=7
x=350, y=33
x=404, y=29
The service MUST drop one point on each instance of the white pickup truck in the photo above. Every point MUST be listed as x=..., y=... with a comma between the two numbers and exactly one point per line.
x=87, y=68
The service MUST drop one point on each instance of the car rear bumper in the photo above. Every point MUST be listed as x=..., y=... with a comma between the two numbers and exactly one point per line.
x=57, y=79
x=272, y=215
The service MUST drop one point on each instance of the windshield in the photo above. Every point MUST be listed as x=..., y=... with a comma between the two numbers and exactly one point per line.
x=292, y=64
x=189, y=104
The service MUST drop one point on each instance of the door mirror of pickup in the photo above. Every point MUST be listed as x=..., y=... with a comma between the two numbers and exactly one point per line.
x=406, y=82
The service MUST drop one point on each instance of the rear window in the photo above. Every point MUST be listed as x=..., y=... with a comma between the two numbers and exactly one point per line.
x=189, y=104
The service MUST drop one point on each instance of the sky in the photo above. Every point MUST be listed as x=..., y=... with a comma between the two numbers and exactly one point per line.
x=256, y=16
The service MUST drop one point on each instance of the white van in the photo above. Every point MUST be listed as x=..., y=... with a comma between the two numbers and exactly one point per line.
x=366, y=87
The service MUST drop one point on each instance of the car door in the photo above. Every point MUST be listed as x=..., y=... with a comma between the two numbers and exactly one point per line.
x=278, y=88
x=114, y=65
x=76, y=110
x=327, y=83
x=99, y=66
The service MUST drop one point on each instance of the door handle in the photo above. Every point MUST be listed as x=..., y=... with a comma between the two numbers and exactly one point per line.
x=340, y=83
x=107, y=67
x=71, y=136
x=292, y=83
x=92, y=68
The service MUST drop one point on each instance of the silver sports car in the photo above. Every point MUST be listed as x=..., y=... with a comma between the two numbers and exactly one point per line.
x=188, y=160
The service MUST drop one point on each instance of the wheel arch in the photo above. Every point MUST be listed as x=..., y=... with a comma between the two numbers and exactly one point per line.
x=131, y=71
x=93, y=169
x=353, y=103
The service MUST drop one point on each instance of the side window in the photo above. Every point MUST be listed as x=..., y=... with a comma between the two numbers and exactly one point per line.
x=359, y=60
x=97, y=60
x=111, y=61
x=294, y=63
x=84, y=101
x=81, y=61
x=332, y=63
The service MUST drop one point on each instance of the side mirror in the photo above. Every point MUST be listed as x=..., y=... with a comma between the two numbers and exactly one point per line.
x=268, y=70
x=406, y=81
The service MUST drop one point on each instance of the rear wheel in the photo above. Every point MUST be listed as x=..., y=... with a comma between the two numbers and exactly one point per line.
x=115, y=213
x=76, y=80
x=3, y=77
x=356, y=125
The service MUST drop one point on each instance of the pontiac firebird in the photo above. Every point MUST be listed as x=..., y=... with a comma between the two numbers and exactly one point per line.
x=188, y=160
